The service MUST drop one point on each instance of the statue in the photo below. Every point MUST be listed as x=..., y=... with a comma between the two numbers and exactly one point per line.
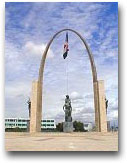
x=106, y=103
x=29, y=107
x=67, y=109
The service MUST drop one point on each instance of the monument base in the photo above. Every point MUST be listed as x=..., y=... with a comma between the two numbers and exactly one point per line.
x=68, y=127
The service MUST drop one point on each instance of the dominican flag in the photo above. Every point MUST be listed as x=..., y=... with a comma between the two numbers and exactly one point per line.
x=66, y=47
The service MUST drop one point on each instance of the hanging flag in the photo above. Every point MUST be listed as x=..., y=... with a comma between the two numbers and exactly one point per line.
x=66, y=47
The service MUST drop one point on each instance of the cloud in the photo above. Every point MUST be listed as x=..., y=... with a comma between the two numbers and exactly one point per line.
x=37, y=49
x=14, y=89
x=113, y=115
x=16, y=96
x=75, y=96
x=89, y=96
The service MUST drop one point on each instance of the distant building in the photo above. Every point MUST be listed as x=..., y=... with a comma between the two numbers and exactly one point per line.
x=88, y=126
x=16, y=122
x=48, y=124
x=23, y=123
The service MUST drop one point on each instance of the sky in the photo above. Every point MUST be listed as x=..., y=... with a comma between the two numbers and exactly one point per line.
x=29, y=27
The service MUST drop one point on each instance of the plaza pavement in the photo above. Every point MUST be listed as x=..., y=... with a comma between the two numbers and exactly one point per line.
x=76, y=141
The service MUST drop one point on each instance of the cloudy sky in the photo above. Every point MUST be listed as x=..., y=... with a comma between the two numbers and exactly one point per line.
x=28, y=28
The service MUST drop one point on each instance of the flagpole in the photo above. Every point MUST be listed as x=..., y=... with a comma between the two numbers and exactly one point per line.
x=67, y=66
x=66, y=60
x=67, y=74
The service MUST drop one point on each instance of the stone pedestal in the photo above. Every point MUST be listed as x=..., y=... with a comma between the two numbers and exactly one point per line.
x=68, y=127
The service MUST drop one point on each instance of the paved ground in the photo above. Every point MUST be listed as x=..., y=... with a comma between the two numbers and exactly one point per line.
x=90, y=141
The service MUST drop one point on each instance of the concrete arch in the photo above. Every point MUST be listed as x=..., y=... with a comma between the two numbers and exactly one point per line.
x=37, y=87
x=93, y=67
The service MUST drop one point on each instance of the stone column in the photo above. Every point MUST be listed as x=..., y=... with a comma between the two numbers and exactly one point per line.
x=36, y=112
x=96, y=105
x=100, y=107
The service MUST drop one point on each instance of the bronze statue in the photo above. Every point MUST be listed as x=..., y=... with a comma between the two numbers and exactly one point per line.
x=106, y=103
x=29, y=107
x=67, y=109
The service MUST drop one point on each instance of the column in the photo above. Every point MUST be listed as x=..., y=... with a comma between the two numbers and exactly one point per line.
x=100, y=107
x=97, y=120
x=36, y=113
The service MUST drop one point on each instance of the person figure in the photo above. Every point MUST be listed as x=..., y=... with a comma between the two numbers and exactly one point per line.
x=67, y=109
x=106, y=103
x=29, y=107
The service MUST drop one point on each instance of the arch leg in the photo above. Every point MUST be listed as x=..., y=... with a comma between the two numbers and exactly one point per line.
x=36, y=107
x=100, y=107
